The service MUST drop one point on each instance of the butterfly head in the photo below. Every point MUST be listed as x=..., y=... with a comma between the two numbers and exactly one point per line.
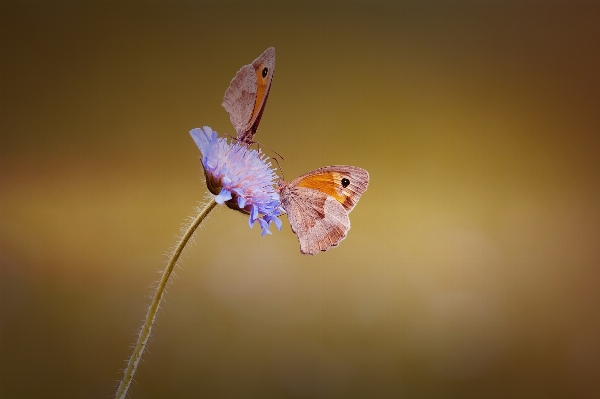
x=281, y=184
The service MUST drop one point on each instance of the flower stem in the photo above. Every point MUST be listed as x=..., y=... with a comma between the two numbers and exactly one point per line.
x=158, y=295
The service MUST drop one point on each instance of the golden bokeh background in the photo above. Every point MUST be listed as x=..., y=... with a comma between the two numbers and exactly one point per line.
x=472, y=268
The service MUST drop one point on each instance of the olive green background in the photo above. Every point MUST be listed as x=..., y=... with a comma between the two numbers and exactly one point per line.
x=472, y=268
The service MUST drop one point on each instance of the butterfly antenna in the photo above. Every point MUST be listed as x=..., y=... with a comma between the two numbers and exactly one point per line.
x=234, y=139
x=238, y=140
x=279, y=166
x=270, y=149
x=258, y=149
x=274, y=157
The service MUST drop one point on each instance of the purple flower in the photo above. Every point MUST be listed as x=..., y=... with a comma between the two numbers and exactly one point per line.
x=240, y=178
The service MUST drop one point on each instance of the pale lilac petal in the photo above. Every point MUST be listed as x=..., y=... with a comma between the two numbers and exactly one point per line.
x=277, y=222
x=200, y=139
x=264, y=225
x=224, y=195
x=241, y=202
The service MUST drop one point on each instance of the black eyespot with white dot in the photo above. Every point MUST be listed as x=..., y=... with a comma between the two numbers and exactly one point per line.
x=265, y=71
x=345, y=182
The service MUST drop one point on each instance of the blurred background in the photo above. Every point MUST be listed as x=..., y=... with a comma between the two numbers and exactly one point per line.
x=473, y=264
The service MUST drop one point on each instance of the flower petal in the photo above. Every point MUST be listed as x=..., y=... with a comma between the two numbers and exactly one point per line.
x=253, y=215
x=277, y=222
x=241, y=202
x=224, y=195
x=264, y=225
x=199, y=138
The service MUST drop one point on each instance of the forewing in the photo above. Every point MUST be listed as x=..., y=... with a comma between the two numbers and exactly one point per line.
x=247, y=95
x=264, y=67
x=330, y=180
x=240, y=98
x=317, y=219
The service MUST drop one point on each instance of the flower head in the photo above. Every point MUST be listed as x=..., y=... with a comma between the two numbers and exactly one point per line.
x=240, y=178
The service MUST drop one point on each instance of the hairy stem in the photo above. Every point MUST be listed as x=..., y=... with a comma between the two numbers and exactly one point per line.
x=158, y=295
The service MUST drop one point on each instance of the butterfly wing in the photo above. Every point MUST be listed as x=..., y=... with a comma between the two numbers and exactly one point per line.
x=247, y=95
x=318, y=220
x=344, y=183
x=318, y=203
x=239, y=99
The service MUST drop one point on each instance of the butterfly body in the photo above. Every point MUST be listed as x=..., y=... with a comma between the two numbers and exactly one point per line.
x=247, y=95
x=318, y=203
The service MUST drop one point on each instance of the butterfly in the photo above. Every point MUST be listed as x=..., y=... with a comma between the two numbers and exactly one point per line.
x=246, y=97
x=318, y=203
